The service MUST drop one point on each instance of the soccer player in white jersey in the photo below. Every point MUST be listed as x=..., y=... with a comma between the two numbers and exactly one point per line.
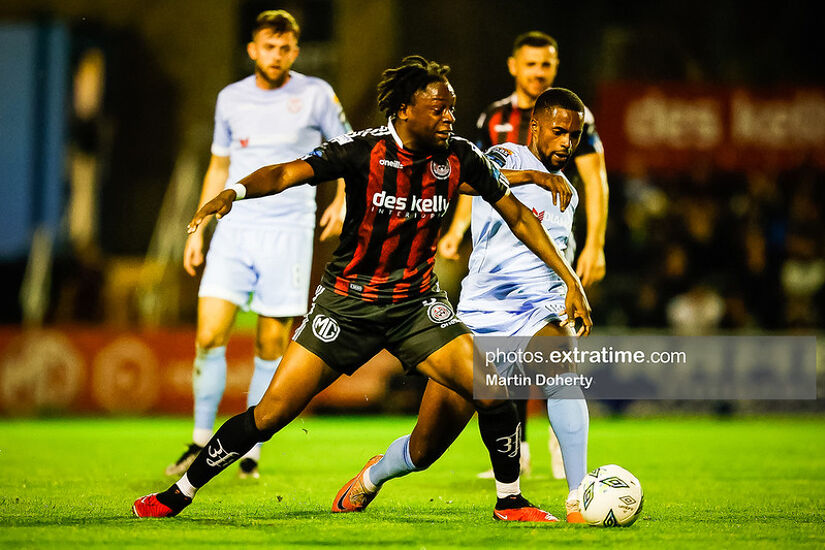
x=509, y=292
x=260, y=255
x=534, y=64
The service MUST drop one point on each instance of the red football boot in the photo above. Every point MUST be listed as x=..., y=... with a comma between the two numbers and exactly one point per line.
x=150, y=507
x=354, y=497
x=518, y=508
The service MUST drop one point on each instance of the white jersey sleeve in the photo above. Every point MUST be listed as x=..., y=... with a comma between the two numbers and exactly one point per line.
x=506, y=158
x=222, y=136
x=331, y=118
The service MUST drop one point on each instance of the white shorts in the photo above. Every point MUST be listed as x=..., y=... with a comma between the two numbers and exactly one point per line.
x=272, y=266
x=519, y=326
x=513, y=323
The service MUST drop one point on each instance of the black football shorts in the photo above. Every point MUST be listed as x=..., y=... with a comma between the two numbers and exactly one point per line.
x=346, y=332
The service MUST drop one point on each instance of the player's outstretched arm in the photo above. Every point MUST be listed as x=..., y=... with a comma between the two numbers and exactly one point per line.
x=591, y=266
x=213, y=183
x=268, y=180
x=332, y=220
x=554, y=183
x=449, y=243
x=528, y=229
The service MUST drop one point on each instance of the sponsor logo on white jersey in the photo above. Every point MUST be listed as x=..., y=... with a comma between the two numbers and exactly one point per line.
x=294, y=104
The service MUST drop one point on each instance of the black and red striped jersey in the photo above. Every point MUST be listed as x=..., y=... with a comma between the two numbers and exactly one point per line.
x=503, y=121
x=396, y=200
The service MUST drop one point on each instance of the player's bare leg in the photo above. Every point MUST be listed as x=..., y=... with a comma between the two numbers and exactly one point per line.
x=271, y=339
x=215, y=319
x=300, y=377
x=442, y=416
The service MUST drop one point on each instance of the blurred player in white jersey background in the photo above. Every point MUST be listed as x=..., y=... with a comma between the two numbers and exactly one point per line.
x=533, y=65
x=260, y=255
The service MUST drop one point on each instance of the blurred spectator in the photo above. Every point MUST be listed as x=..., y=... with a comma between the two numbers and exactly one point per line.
x=697, y=311
x=713, y=250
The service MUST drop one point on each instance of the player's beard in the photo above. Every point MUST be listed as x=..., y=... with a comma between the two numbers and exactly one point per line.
x=535, y=87
x=277, y=81
x=556, y=163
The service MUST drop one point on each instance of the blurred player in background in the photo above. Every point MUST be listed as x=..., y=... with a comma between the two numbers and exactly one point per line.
x=380, y=292
x=510, y=292
x=263, y=250
x=533, y=65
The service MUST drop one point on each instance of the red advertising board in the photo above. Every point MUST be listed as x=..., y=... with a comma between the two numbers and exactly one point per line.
x=100, y=371
x=673, y=126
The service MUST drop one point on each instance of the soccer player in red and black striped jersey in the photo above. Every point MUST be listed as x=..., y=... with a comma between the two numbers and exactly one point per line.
x=379, y=291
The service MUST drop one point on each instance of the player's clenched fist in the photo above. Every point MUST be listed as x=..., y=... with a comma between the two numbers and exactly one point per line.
x=577, y=307
x=220, y=206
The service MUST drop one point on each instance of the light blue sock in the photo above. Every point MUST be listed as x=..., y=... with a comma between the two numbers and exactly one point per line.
x=571, y=421
x=264, y=371
x=396, y=462
x=208, y=383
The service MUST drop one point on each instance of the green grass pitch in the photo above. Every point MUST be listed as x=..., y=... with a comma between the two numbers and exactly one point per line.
x=747, y=483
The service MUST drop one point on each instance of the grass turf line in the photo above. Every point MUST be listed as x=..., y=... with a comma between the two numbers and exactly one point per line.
x=739, y=483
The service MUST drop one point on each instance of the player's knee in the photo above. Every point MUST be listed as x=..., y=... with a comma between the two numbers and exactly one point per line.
x=272, y=339
x=270, y=349
x=208, y=338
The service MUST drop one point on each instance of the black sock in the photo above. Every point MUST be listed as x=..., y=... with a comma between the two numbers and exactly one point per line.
x=511, y=502
x=500, y=430
x=232, y=440
x=521, y=408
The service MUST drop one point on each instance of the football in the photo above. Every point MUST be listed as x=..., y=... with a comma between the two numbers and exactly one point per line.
x=611, y=497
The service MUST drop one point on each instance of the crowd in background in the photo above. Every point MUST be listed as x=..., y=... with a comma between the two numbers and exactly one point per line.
x=715, y=250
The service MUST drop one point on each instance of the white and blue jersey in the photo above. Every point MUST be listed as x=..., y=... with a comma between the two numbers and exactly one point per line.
x=260, y=256
x=509, y=290
x=256, y=127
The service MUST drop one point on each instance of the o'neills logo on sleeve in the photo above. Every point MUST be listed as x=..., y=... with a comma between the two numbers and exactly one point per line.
x=410, y=207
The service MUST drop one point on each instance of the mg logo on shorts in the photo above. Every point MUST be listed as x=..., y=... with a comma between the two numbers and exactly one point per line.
x=325, y=328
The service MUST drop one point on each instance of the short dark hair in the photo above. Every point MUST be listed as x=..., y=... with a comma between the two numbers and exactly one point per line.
x=535, y=39
x=558, y=97
x=278, y=21
x=399, y=84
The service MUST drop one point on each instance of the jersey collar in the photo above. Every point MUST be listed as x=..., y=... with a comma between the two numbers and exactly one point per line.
x=394, y=134
x=400, y=145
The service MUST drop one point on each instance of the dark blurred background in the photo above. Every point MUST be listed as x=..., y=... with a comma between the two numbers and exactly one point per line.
x=712, y=115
